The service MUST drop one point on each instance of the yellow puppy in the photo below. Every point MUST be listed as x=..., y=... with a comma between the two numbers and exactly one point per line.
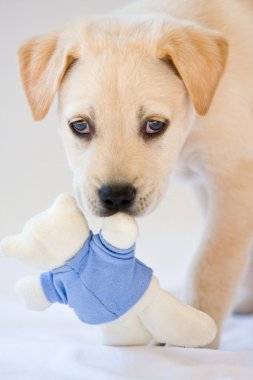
x=148, y=89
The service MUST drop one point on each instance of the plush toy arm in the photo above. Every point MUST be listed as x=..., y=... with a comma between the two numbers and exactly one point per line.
x=173, y=322
x=50, y=238
x=120, y=230
x=30, y=290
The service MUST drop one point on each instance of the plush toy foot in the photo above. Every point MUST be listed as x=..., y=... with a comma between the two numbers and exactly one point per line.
x=50, y=238
x=172, y=322
x=120, y=230
x=125, y=332
x=215, y=343
x=29, y=288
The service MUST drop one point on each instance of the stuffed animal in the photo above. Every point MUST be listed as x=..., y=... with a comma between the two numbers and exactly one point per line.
x=99, y=277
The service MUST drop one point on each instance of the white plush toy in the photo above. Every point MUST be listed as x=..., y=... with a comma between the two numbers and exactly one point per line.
x=100, y=278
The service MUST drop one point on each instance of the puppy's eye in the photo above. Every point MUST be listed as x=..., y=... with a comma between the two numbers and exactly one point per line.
x=81, y=127
x=156, y=126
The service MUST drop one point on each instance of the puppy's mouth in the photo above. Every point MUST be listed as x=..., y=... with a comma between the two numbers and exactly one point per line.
x=103, y=212
x=100, y=211
x=142, y=205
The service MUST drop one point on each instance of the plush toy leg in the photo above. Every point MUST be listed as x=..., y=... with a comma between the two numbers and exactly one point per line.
x=50, y=238
x=172, y=322
x=125, y=332
x=29, y=288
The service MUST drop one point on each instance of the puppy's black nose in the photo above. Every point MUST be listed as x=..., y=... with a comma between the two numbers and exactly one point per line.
x=117, y=197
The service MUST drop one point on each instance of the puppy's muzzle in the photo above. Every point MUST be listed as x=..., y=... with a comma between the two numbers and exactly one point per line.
x=117, y=197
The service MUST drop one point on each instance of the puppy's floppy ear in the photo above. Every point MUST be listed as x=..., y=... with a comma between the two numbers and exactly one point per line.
x=199, y=56
x=43, y=63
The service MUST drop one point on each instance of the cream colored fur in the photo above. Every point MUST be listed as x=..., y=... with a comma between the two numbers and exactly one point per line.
x=121, y=73
x=244, y=298
x=147, y=320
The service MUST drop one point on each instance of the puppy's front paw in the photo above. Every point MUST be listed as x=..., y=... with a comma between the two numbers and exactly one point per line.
x=30, y=290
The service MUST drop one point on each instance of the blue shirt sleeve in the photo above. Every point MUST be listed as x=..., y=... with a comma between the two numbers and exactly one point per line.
x=54, y=290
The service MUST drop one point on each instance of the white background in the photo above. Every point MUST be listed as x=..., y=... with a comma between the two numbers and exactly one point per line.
x=32, y=163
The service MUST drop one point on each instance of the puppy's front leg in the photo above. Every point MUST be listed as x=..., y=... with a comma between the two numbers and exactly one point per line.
x=223, y=253
x=244, y=296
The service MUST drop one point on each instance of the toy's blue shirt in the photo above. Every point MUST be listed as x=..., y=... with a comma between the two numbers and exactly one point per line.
x=100, y=282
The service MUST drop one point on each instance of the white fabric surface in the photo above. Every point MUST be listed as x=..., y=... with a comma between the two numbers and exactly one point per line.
x=55, y=345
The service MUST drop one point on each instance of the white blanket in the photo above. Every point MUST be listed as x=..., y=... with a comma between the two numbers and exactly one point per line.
x=55, y=345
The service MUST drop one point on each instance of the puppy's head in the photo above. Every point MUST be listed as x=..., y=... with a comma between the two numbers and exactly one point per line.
x=127, y=93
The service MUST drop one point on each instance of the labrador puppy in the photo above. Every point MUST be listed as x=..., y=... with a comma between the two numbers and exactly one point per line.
x=154, y=88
